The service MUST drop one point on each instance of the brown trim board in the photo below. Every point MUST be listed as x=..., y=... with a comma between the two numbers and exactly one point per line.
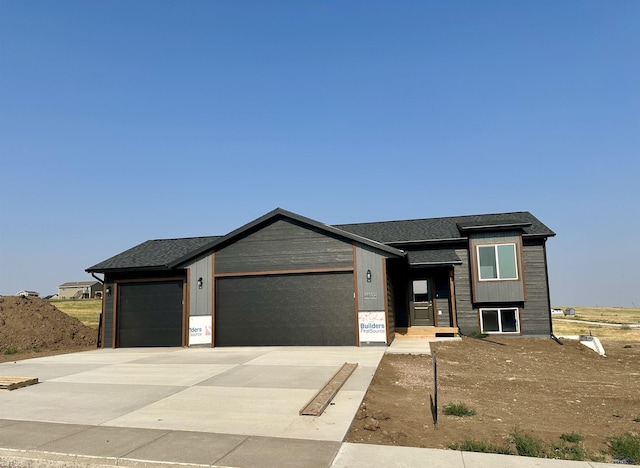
x=213, y=299
x=285, y=272
x=114, y=324
x=355, y=293
x=386, y=301
x=186, y=308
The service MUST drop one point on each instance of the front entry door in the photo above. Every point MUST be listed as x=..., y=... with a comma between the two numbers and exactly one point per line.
x=421, y=303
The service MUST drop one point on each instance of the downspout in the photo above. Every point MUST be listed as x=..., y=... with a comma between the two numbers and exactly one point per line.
x=546, y=274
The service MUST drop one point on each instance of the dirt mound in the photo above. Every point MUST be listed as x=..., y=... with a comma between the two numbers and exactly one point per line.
x=33, y=324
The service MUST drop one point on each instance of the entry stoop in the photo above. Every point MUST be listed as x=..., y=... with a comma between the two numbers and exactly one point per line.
x=426, y=332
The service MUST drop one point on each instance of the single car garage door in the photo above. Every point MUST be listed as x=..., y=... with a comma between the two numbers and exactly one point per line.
x=149, y=314
x=274, y=310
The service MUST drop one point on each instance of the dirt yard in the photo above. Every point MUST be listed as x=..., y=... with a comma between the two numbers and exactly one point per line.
x=535, y=385
x=32, y=327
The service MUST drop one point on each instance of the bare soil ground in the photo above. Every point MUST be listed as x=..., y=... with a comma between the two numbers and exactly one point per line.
x=31, y=327
x=535, y=385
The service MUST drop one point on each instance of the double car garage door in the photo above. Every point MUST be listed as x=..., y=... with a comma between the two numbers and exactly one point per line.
x=274, y=310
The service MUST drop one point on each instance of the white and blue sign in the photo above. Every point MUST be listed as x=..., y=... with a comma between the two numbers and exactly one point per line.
x=372, y=327
x=200, y=329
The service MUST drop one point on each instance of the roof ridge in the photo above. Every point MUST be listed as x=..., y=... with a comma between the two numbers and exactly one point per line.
x=182, y=238
x=435, y=218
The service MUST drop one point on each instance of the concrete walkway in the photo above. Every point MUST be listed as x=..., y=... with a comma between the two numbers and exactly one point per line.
x=415, y=345
x=233, y=407
x=75, y=446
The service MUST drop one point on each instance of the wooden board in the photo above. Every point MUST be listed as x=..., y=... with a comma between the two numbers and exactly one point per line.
x=317, y=405
x=11, y=383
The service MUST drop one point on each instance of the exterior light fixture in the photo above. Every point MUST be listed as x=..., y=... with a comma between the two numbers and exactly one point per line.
x=108, y=291
x=200, y=283
x=368, y=276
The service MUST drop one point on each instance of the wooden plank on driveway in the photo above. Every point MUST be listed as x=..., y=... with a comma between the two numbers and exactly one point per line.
x=11, y=383
x=317, y=405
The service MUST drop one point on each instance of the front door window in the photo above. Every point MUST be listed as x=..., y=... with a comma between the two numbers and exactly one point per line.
x=421, y=303
x=420, y=291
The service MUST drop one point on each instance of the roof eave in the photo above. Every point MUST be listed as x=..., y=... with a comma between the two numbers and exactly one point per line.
x=493, y=226
x=450, y=240
x=436, y=263
x=128, y=269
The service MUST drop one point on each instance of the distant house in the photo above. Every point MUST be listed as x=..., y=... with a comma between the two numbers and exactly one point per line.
x=284, y=279
x=80, y=290
x=26, y=293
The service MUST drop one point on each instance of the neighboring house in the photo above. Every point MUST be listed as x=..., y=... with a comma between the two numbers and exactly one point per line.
x=284, y=279
x=26, y=293
x=80, y=290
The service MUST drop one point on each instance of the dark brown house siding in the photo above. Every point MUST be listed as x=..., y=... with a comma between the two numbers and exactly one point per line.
x=284, y=246
x=499, y=291
x=467, y=315
x=535, y=313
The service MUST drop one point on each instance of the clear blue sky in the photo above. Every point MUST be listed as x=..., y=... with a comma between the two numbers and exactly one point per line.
x=124, y=121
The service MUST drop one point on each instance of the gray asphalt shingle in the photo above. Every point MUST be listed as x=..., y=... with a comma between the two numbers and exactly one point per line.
x=152, y=253
x=162, y=253
x=432, y=229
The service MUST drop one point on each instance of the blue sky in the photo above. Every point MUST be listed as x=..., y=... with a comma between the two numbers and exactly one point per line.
x=125, y=121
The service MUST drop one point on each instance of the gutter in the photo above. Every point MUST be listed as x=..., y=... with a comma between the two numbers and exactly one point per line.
x=97, y=279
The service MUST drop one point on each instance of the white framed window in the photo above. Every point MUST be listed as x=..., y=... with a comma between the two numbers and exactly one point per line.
x=500, y=320
x=497, y=262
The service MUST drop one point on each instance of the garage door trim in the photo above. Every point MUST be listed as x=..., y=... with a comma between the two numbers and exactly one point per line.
x=285, y=272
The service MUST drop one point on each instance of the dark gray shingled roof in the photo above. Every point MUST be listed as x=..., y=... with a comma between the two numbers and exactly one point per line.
x=443, y=229
x=433, y=257
x=169, y=253
x=152, y=254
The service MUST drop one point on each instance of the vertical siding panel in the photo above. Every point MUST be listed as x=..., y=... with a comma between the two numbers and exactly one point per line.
x=535, y=313
x=370, y=261
x=467, y=316
x=497, y=291
x=200, y=299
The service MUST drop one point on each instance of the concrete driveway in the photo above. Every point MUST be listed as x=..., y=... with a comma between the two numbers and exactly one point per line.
x=246, y=391
x=229, y=406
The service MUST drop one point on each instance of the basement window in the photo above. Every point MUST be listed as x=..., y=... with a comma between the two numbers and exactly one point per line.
x=497, y=262
x=500, y=320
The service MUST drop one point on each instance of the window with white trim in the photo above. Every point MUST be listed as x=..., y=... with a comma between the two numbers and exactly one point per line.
x=499, y=320
x=497, y=262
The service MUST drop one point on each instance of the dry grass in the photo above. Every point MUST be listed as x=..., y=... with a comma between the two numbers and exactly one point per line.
x=604, y=333
x=606, y=314
x=85, y=310
x=613, y=315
